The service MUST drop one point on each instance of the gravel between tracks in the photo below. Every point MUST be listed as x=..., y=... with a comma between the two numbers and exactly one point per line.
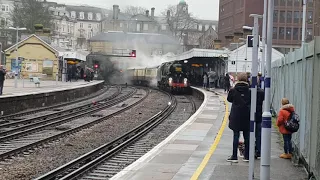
x=71, y=147
x=104, y=95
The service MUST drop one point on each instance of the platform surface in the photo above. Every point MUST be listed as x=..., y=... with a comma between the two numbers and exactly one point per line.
x=201, y=146
x=26, y=87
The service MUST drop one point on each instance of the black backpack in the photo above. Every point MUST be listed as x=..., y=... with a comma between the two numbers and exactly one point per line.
x=292, y=124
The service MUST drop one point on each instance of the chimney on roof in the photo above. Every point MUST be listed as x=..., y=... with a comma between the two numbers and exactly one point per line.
x=115, y=11
x=237, y=36
x=147, y=13
x=217, y=44
x=152, y=12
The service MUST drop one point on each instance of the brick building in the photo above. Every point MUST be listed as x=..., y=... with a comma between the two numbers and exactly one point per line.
x=287, y=26
x=234, y=14
x=287, y=18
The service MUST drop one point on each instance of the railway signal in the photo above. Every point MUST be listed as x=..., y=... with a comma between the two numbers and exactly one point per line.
x=96, y=66
x=133, y=53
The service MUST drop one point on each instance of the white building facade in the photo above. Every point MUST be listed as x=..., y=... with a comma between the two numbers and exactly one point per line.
x=74, y=25
x=240, y=60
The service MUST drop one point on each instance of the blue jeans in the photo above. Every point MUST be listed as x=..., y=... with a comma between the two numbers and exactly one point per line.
x=246, y=137
x=287, y=144
x=258, y=138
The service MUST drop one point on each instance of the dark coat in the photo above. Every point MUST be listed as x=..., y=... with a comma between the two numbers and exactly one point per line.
x=2, y=75
x=260, y=99
x=240, y=97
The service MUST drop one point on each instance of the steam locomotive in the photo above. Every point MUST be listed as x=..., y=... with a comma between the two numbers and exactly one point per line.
x=169, y=76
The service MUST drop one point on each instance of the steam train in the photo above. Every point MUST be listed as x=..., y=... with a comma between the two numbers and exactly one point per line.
x=169, y=76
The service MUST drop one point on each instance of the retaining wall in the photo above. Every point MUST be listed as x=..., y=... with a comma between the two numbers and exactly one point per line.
x=14, y=104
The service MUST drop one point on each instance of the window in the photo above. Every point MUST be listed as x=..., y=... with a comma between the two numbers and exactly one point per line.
x=275, y=33
x=81, y=15
x=295, y=33
x=200, y=27
x=68, y=28
x=281, y=33
x=5, y=8
x=89, y=16
x=309, y=34
x=276, y=2
x=282, y=2
x=282, y=16
x=138, y=27
x=275, y=16
x=297, y=2
x=310, y=3
x=73, y=14
x=63, y=28
x=163, y=27
x=310, y=17
x=3, y=21
x=89, y=26
x=296, y=17
x=207, y=27
x=145, y=27
x=289, y=16
x=289, y=2
x=288, y=33
x=81, y=25
x=98, y=16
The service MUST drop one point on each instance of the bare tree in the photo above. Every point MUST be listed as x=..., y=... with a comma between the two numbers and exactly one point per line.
x=133, y=10
x=27, y=13
x=180, y=22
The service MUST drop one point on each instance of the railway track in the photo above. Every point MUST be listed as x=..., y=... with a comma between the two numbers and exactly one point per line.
x=15, y=129
x=36, y=136
x=15, y=116
x=100, y=159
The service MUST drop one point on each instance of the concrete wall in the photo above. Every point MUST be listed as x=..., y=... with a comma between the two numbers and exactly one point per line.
x=297, y=78
x=19, y=103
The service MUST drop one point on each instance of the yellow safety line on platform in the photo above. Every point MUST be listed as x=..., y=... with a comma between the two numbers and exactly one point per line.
x=213, y=147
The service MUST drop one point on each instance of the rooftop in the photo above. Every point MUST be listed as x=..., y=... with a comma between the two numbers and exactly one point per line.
x=119, y=36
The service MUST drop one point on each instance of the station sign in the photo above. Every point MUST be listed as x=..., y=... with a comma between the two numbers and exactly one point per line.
x=250, y=41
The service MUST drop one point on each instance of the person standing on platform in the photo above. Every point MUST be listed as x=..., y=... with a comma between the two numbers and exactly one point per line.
x=227, y=83
x=259, y=111
x=284, y=115
x=2, y=78
x=239, y=118
x=205, y=80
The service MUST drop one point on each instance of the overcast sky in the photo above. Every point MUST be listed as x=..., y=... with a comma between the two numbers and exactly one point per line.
x=203, y=9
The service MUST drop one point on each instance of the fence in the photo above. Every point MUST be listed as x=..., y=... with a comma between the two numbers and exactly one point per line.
x=298, y=79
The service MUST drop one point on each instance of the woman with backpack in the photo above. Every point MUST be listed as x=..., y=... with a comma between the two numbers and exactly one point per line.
x=284, y=116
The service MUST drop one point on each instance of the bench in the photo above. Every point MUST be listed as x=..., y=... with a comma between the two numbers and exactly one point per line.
x=36, y=81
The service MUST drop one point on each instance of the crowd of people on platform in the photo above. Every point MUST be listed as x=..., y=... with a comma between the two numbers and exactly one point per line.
x=77, y=72
x=239, y=118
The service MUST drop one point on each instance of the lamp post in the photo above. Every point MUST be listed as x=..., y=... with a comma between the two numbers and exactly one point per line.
x=64, y=66
x=17, y=55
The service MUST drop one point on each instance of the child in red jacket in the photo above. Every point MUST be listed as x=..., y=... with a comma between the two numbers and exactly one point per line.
x=283, y=116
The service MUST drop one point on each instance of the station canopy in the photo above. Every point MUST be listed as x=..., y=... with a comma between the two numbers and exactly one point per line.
x=201, y=53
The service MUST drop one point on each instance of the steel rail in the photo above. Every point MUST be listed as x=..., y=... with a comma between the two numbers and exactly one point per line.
x=45, y=116
x=70, y=131
x=19, y=114
x=90, y=160
x=34, y=127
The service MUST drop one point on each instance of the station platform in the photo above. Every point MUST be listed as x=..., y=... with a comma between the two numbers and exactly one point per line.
x=25, y=87
x=199, y=149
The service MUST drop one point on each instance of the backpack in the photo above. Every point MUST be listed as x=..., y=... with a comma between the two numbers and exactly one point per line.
x=292, y=124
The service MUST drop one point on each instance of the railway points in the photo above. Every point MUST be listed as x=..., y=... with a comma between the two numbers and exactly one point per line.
x=199, y=149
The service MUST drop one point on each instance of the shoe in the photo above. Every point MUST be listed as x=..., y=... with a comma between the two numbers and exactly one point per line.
x=284, y=156
x=257, y=156
x=245, y=159
x=289, y=156
x=232, y=159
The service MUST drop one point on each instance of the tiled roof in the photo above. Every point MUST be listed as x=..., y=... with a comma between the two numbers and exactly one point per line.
x=149, y=38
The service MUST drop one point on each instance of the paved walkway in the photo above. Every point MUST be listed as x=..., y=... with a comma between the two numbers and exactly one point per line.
x=186, y=153
x=27, y=87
